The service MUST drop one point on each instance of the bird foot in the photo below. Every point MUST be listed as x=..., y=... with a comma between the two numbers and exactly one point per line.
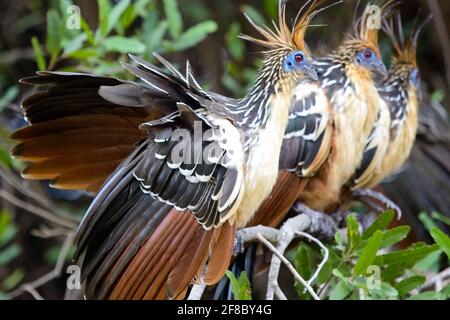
x=367, y=196
x=323, y=225
x=239, y=246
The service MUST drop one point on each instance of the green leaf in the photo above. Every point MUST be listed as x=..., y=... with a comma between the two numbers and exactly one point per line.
x=352, y=231
x=271, y=8
x=123, y=45
x=141, y=5
x=441, y=217
x=5, y=221
x=128, y=17
x=116, y=13
x=438, y=96
x=38, y=54
x=10, y=94
x=173, y=17
x=51, y=254
x=340, y=291
x=193, y=35
x=235, y=46
x=394, y=236
x=381, y=223
x=385, y=291
x=431, y=262
x=407, y=285
x=446, y=292
x=153, y=39
x=74, y=44
x=407, y=257
x=53, y=38
x=87, y=30
x=83, y=54
x=369, y=253
x=63, y=5
x=9, y=253
x=104, y=7
x=427, y=221
x=254, y=14
x=302, y=261
x=240, y=286
x=442, y=240
x=429, y=295
x=13, y=280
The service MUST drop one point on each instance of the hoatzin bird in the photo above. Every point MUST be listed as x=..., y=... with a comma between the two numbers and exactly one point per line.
x=167, y=213
x=401, y=91
x=393, y=134
x=329, y=129
x=322, y=159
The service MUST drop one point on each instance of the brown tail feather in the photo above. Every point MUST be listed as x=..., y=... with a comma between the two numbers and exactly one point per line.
x=82, y=178
x=220, y=255
x=69, y=143
x=75, y=122
x=51, y=168
x=139, y=267
x=171, y=258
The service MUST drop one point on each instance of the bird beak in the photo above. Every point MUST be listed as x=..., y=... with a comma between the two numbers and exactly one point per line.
x=380, y=69
x=311, y=72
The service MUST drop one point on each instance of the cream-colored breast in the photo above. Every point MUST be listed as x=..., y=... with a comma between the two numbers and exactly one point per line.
x=401, y=144
x=263, y=159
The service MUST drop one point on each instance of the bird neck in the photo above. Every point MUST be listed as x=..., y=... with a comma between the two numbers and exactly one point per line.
x=253, y=110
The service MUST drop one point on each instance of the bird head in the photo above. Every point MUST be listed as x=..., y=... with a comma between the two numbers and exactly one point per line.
x=288, y=60
x=404, y=60
x=361, y=48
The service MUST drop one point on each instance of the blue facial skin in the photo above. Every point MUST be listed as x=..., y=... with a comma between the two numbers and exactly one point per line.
x=369, y=60
x=415, y=78
x=298, y=62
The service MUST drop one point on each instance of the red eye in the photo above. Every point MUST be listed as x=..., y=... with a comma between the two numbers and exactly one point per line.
x=298, y=58
x=368, y=54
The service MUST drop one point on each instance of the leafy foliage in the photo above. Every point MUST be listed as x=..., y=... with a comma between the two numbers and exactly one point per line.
x=368, y=265
x=100, y=51
x=240, y=286
x=9, y=251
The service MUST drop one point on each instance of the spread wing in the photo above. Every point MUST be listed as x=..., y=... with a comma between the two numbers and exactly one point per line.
x=180, y=168
x=82, y=126
x=307, y=139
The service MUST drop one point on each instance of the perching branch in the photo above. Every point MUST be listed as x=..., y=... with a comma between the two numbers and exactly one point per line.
x=278, y=241
x=61, y=221
x=43, y=201
x=32, y=287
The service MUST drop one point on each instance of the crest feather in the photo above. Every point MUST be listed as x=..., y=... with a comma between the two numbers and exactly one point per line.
x=405, y=48
x=283, y=36
x=363, y=27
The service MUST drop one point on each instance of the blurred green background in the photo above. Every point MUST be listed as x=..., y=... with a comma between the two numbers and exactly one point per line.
x=34, y=36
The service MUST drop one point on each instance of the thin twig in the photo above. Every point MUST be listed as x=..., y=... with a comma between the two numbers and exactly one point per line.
x=289, y=265
x=45, y=232
x=325, y=256
x=62, y=221
x=436, y=280
x=31, y=287
x=16, y=183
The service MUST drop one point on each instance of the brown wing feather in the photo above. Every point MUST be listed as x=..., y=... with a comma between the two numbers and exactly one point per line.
x=284, y=194
x=71, y=125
